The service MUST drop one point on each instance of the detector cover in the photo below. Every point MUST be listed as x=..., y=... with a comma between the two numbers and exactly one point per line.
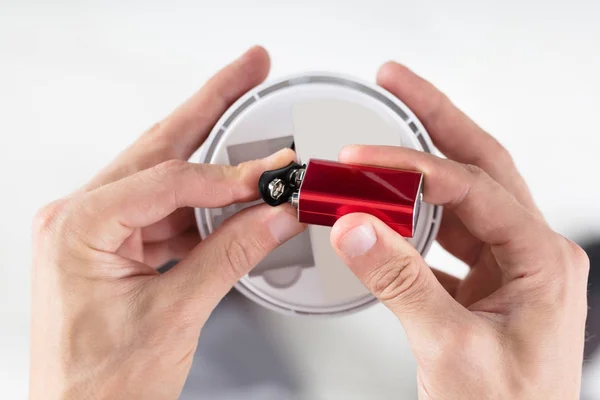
x=319, y=113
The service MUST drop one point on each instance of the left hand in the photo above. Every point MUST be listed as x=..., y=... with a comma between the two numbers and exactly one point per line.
x=105, y=324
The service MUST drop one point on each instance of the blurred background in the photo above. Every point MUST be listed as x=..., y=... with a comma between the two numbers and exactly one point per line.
x=80, y=80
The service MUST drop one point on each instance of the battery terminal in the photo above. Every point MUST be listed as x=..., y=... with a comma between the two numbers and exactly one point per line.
x=281, y=185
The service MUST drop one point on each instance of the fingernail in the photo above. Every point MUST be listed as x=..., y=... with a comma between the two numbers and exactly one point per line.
x=284, y=226
x=358, y=240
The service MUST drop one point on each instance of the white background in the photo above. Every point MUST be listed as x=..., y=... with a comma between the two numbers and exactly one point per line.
x=79, y=81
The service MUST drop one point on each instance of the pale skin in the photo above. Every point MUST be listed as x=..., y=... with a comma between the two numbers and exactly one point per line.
x=103, y=318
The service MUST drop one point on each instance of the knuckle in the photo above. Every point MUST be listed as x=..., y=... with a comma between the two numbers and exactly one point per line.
x=474, y=171
x=167, y=172
x=170, y=167
x=241, y=255
x=496, y=157
x=580, y=257
x=501, y=157
x=185, y=313
x=237, y=255
x=395, y=278
x=438, y=101
x=44, y=218
x=565, y=272
x=574, y=257
x=243, y=175
x=47, y=218
x=158, y=139
x=155, y=129
x=241, y=171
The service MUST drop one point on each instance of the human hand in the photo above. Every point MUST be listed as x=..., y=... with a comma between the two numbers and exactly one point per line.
x=105, y=323
x=514, y=327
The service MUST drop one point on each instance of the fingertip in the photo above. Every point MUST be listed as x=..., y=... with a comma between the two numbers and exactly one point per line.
x=354, y=233
x=281, y=157
x=362, y=154
x=385, y=70
x=403, y=83
x=247, y=174
x=385, y=236
x=389, y=71
x=283, y=223
x=348, y=153
x=258, y=58
x=257, y=51
x=354, y=238
x=344, y=224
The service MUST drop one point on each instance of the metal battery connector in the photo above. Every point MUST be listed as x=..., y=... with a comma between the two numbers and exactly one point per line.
x=281, y=185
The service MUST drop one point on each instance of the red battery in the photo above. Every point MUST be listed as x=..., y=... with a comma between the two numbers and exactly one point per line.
x=330, y=190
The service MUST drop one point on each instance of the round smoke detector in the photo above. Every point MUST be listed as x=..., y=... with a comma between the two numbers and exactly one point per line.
x=319, y=113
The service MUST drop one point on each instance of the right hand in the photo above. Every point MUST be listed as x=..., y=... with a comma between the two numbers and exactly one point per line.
x=514, y=327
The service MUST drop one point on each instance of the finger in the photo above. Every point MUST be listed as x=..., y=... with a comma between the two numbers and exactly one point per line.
x=105, y=217
x=399, y=277
x=455, y=238
x=182, y=132
x=484, y=276
x=175, y=248
x=229, y=253
x=455, y=134
x=478, y=284
x=448, y=282
x=176, y=223
x=488, y=211
x=187, y=127
x=482, y=280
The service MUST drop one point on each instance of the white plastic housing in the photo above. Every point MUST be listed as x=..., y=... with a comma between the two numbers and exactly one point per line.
x=320, y=112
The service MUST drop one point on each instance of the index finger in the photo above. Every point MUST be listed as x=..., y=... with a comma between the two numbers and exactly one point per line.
x=453, y=132
x=106, y=217
x=488, y=211
x=187, y=127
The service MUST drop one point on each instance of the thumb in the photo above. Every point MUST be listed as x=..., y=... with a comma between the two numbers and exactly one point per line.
x=397, y=275
x=230, y=252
